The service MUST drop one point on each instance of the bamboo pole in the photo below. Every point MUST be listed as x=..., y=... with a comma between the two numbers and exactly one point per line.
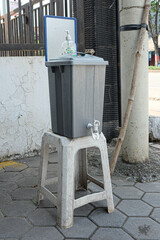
x=133, y=87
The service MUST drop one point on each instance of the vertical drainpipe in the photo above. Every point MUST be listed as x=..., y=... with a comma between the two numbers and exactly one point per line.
x=118, y=60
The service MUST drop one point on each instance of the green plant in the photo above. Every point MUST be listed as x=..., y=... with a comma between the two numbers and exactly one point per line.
x=154, y=68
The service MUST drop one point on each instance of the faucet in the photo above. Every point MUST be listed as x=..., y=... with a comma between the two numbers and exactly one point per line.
x=94, y=129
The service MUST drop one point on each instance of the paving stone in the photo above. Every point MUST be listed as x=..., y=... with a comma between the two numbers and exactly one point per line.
x=44, y=203
x=52, y=174
x=13, y=227
x=142, y=228
x=104, y=219
x=15, y=168
x=84, y=210
x=4, y=198
x=52, y=188
x=10, y=176
x=43, y=233
x=30, y=172
x=23, y=193
x=152, y=198
x=1, y=170
x=77, y=238
x=53, y=157
x=7, y=186
x=110, y=234
x=128, y=192
x=53, y=167
x=149, y=187
x=94, y=188
x=122, y=181
x=1, y=215
x=134, y=208
x=81, y=193
x=156, y=214
x=43, y=217
x=98, y=175
x=82, y=228
x=27, y=181
x=10, y=239
x=18, y=208
x=32, y=162
x=103, y=203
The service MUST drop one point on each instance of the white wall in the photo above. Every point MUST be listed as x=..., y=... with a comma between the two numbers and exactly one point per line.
x=24, y=104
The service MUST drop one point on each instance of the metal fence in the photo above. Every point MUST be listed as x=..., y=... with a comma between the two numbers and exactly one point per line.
x=22, y=30
x=99, y=20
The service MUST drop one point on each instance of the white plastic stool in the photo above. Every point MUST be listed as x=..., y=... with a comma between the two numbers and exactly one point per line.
x=67, y=152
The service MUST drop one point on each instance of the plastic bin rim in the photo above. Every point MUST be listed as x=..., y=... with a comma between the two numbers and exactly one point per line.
x=72, y=62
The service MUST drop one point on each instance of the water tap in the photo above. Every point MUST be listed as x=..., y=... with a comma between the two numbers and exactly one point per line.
x=94, y=129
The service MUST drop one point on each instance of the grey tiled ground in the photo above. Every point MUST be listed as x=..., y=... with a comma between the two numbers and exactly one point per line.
x=43, y=233
x=142, y=228
x=48, y=219
x=128, y=192
x=152, y=198
x=4, y=199
x=82, y=228
x=13, y=227
x=103, y=219
x=18, y=208
x=111, y=233
x=7, y=186
x=156, y=214
x=134, y=208
x=136, y=216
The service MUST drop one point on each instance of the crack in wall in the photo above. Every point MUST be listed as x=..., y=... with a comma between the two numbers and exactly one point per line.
x=24, y=107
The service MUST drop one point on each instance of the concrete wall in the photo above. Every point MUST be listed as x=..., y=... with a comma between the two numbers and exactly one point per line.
x=24, y=104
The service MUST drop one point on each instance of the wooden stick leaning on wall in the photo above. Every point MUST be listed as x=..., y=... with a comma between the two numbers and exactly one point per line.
x=133, y=87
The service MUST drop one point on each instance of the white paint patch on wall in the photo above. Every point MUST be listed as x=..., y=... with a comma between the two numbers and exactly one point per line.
x=24, y=104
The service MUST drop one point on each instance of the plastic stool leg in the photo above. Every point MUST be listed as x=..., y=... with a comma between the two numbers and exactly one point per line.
x=42, y=167
x=81, y=169
x=65, y=207
x=106, y=175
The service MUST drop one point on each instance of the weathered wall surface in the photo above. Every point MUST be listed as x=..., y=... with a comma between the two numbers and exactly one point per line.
x=24, y=104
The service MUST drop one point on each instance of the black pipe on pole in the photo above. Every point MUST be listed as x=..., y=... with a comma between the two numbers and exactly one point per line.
x=8, y=22
x=118, y=60
x=20, y=23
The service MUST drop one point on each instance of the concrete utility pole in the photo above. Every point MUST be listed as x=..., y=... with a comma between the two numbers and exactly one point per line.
x=135, y=145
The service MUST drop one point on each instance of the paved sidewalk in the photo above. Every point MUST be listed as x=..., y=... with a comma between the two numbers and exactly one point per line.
x=137, y=213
